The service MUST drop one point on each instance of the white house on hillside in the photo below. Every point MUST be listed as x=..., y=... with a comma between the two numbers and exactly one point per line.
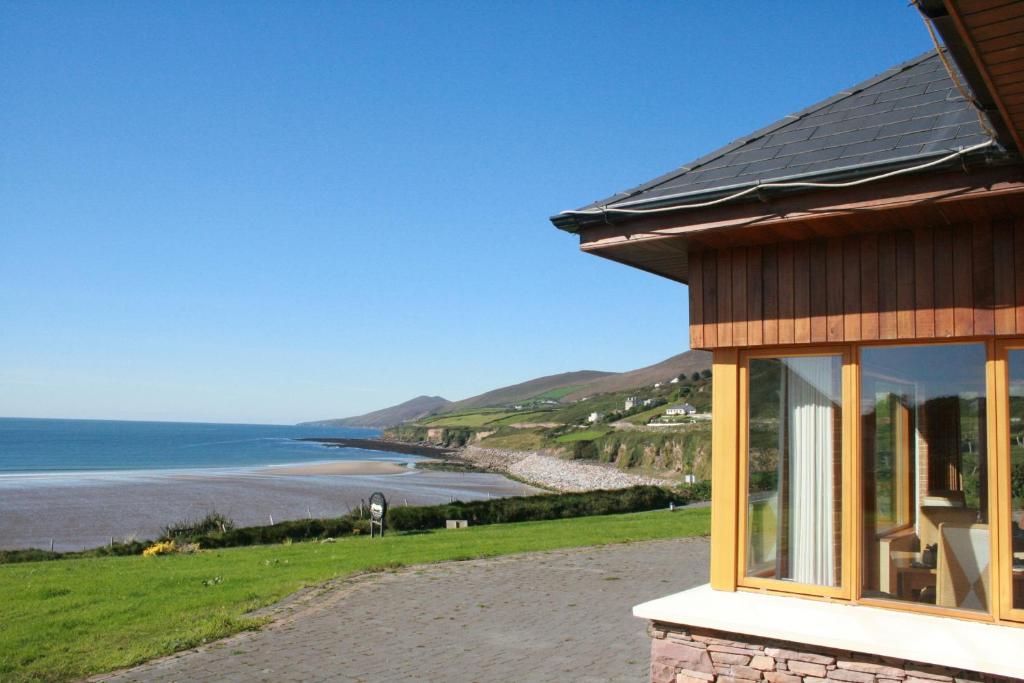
x=681, y=409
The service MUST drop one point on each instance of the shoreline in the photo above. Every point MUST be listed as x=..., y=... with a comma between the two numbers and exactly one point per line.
x=384, y=446
x=80, y=515
x=336, y=468
x=535, y=468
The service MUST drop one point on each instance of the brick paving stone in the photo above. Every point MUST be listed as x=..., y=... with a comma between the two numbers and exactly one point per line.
x=564, y=615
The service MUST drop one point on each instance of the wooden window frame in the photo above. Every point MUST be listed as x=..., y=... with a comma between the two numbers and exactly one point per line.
x=996, y=404
x=844, y=588
x=734, y=512
x=1002, y=562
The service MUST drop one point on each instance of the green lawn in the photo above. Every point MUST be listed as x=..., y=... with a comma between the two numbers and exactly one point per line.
x=71, y=618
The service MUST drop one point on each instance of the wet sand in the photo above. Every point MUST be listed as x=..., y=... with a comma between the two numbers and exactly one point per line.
x=346, y=467
x=84, y=513
x=385, y=446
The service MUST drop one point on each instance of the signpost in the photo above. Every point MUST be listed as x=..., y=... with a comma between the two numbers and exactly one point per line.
x=378, y=509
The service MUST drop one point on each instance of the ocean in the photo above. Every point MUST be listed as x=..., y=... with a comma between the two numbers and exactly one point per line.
x=79, y=483
x=40, y=446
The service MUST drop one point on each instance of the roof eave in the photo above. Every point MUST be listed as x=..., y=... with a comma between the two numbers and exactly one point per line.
x=574, y=222
x=938, y=14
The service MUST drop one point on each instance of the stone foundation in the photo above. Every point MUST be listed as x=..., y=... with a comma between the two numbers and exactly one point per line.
x=690, y=655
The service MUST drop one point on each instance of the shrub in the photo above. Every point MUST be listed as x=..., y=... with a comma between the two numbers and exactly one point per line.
x=27, y=555
x=213, y=521
x=294, y=530
x=700, y=490
x=534, y=508
x=161, y=548
x=584, y=450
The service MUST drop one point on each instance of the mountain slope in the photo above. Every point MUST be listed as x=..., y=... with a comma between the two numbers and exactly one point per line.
x=529, y=389
x=580, y=384
x=413, y=409
x=683, y=363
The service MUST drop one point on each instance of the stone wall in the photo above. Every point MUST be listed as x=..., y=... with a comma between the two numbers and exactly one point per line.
x=682, y=655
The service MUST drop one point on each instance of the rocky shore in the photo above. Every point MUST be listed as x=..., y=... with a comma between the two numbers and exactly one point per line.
x=554, y=473
x=426, y=450
x=532, y=467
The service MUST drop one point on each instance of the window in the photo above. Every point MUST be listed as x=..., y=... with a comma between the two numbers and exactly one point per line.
x=794, y=470
x=924, y=466
x=899, y=440
x=1015, y=368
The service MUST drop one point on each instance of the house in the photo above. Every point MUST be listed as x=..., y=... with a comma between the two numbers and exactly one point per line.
x=631, y=402
x=857, y=270
x=674, y=380
x=595, y=417
x=680, y=409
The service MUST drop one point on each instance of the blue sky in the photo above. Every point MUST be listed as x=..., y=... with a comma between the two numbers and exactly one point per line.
x=272, y=212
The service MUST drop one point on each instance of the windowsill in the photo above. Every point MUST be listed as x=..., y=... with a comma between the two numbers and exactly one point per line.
x=955, y=643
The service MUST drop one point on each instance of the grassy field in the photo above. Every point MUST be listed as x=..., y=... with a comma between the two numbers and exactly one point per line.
x=534, y=416
x=478, y=419
x=584, y=435
x=516, y=440
x=71, y=618
x=556, y=394
x=646, y=416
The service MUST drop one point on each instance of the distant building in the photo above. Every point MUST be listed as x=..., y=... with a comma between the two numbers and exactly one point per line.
x=675, y=380
x=595, y=417
x=657, y=384
x=681, y=409
x=632, y=402
x=648, y=402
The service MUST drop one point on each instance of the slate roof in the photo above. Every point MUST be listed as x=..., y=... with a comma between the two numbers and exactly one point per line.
x=900, y=117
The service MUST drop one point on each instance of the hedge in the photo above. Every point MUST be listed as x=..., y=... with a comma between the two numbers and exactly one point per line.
x=535, y=508
x=417, y=518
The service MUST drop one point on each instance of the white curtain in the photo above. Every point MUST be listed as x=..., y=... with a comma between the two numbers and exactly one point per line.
x=810, y=396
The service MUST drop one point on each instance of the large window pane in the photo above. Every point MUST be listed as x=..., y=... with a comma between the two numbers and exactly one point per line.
x=794, y=474
x=924, y=464
x=1016, y=360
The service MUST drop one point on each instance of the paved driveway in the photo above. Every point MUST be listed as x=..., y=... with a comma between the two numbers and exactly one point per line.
x=555, y=616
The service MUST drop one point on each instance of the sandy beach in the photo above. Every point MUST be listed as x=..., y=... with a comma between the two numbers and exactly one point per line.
x=84, y=512
x=345, y=467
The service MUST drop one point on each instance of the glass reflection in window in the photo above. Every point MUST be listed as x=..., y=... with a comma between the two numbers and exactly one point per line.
x=924, y=467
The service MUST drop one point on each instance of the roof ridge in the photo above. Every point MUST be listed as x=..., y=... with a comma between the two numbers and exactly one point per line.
x=767, y=130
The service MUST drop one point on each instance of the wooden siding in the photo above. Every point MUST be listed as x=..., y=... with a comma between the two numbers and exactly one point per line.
x=927, y=283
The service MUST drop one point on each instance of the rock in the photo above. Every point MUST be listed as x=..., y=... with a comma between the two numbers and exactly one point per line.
x=681, y=656
x=799, y=656
x=851, y=676
x=807, y=668
x=729, y=658
x=872, y=668
x=551, y=472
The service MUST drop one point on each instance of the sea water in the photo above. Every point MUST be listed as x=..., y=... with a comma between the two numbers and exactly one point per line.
x=40, y=446
x=79, y=483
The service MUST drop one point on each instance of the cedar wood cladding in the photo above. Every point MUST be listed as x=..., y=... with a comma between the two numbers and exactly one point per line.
x=926, y=283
